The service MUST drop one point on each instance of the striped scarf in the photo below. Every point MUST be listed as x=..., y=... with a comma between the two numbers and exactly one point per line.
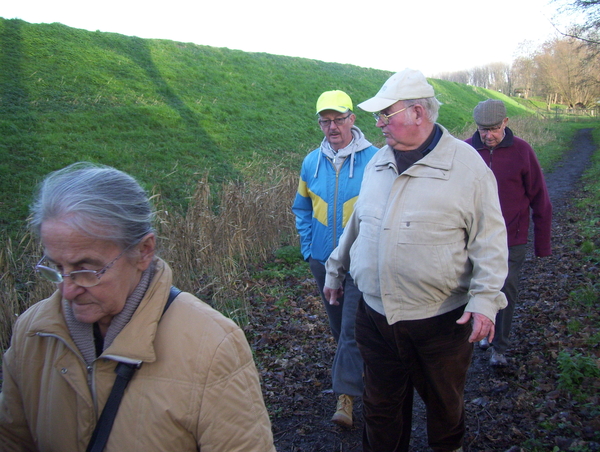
x=83, y=333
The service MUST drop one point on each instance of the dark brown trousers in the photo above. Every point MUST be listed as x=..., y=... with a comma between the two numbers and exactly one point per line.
x=430, y=355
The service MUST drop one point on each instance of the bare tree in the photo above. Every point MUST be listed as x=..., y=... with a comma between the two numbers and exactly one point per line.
x=496, y=76
x=500, y=79
x=586, y=16
x=523, y=77
x=480, y=76
x=458, y=76
x=567, y=73
x=562, y=70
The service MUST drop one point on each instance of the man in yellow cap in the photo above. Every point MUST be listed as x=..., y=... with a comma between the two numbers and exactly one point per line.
x=426, y=245
x=330, y=180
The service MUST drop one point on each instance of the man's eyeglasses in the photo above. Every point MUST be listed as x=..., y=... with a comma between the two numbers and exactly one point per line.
x=386, y=118
x=83, y=278
x=325, y=123
x=489, y=129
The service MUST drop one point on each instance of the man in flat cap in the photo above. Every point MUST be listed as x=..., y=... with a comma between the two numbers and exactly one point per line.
x=426, y=245
x=523, y=192
x=330, y=179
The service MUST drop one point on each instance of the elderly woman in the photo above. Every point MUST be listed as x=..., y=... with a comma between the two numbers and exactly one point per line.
x=195, y=385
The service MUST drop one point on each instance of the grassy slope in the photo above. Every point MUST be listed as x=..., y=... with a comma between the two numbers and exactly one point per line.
x=166, y=111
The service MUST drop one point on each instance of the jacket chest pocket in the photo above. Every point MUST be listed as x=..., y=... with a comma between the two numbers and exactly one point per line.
x=430, y=254
x=426, y=228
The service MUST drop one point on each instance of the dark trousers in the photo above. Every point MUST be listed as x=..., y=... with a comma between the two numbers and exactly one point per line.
x=516, y=257
x=430, y=355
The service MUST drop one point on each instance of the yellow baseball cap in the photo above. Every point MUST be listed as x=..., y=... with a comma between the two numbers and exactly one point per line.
x=334, y=100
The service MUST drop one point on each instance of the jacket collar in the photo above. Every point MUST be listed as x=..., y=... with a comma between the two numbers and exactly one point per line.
x=135, y=342
x=358, y=143
x=440, y=157
x=506, y=142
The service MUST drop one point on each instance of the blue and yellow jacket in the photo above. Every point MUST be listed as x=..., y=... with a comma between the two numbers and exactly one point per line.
x=327, y=192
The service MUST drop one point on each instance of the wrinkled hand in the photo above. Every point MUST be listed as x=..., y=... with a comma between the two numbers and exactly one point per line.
x=332, y=295
x=482, y=326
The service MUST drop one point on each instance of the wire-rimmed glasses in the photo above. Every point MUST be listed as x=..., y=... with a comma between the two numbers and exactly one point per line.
x=386, y=118
x=83, y=278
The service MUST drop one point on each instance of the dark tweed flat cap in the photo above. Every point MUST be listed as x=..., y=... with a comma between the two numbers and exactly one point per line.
x=489, y=113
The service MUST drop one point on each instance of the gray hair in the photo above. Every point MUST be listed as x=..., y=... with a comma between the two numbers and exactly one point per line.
x=431, y=106
x=100, y=201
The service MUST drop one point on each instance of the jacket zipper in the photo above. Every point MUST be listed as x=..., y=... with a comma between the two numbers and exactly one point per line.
x=90, y=369
x=335, y=202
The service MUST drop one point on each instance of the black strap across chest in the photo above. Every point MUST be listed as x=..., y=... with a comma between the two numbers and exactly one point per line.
x=124, y=373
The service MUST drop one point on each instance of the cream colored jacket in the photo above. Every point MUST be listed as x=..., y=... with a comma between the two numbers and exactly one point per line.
x=197, y=388
x=429, y=240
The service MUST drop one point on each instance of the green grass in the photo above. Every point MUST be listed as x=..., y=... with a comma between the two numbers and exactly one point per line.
x=288, y=262
x=167, y=112
x=574, y=370
x=589, y=205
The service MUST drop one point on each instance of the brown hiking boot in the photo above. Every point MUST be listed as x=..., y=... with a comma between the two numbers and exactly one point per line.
x=343, y=413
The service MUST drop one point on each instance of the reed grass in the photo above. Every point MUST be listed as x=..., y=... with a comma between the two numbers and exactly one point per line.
x=19, y=287
x=210, y=247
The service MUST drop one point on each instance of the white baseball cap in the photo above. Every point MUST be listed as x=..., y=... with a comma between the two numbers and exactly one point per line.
x=405, y=85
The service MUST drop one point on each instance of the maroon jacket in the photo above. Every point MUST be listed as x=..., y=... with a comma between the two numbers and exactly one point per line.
x=521, y=187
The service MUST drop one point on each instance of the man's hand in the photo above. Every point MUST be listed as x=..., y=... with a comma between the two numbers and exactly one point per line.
x=482, y=326
x=332, y=295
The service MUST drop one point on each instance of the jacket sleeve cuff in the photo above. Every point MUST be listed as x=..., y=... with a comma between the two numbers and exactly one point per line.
x=486, y=307
x=332, y=283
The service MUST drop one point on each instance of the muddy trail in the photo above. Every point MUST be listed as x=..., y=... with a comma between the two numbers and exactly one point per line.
x=505, y=407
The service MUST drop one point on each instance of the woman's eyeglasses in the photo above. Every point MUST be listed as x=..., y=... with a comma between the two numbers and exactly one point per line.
x=83, y=278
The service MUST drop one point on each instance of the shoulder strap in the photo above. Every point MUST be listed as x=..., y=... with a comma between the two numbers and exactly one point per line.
x=172, y=294
x=99, y=438
x=124, y=373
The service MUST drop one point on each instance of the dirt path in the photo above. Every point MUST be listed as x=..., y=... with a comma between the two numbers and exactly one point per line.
x=495, y=416
x=567, y=173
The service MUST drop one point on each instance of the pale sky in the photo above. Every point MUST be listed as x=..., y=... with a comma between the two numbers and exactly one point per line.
x=432, y=36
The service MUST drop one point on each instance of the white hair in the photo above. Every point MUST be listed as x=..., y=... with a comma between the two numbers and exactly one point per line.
x=100, y=201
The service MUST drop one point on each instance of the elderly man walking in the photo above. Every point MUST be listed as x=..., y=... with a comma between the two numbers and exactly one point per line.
x=523, y=193
x=329, y=183
x=426, y=245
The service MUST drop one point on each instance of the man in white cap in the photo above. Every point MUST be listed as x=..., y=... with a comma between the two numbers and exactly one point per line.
x=329, y=184
x=523, y=193
x=426, y=245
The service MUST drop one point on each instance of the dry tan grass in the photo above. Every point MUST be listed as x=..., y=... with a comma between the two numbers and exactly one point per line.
x=19, y=287
x=209, y=247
